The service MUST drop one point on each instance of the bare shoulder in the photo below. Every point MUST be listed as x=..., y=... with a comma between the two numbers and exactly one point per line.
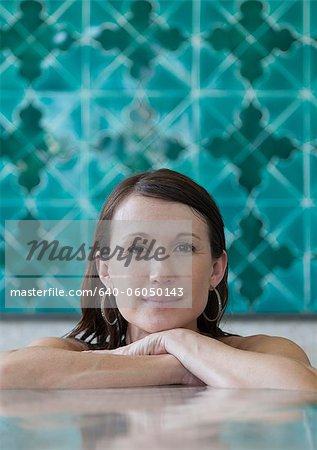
x=245, y=342
x=274, y=345
x=63, y=343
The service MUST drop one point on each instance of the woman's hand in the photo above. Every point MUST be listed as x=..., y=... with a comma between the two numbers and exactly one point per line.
x=157, y=344
x=154, y=344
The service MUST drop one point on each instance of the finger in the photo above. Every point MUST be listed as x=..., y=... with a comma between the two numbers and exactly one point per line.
x=119, y=351
x=99, y=352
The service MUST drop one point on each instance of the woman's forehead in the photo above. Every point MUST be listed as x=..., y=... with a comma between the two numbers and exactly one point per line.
x=139, y=209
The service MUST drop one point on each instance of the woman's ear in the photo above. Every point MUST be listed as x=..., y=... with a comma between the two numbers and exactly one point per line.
x=219, y=266
x=102, y=269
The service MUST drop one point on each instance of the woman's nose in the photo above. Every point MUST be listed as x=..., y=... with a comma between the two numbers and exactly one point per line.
x=161, y=271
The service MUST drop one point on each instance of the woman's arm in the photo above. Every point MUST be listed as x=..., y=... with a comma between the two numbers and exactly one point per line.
x=57, y=368
x=220, y=365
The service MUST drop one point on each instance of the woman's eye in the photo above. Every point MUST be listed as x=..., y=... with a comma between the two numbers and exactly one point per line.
x=186, y=248
x=136, y=249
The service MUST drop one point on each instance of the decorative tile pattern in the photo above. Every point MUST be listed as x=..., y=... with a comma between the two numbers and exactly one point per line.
x=251, y=39
x=250, y=147
x=31, y=39
x=93, y=91
x=140, y=38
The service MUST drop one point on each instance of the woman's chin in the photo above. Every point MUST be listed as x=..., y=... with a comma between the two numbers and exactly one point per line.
x=155, y=327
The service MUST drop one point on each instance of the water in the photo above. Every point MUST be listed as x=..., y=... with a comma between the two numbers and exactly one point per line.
x=168, y=417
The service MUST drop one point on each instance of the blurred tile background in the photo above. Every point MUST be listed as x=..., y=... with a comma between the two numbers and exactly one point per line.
x=222, y=91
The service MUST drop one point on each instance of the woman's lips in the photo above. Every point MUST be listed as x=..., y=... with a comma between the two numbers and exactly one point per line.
x=162, y=299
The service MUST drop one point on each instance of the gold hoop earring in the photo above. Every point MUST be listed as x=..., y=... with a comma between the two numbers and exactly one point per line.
x=102, y=308
x=219, y=307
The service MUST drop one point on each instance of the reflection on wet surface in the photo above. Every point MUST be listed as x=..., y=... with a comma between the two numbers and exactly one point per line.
x=158, y=418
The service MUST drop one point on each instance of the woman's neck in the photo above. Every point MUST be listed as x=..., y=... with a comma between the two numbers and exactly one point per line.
x=134, y=334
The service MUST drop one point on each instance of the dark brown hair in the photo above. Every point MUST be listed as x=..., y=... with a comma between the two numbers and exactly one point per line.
x=164, y=184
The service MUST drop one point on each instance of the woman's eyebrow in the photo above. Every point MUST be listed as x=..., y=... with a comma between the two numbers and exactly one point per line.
x=188, y=234
x=147, y=235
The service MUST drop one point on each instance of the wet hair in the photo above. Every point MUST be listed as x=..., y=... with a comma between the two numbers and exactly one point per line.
x=171, y=186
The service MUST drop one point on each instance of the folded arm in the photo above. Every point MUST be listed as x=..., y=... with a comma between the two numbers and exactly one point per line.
x=55, y=364
x=278, y=365
x=219, y=365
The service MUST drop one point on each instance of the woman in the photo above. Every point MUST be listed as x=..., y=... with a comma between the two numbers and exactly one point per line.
x=138, y=341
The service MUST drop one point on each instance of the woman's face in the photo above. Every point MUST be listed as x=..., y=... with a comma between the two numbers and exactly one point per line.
x=189, y=265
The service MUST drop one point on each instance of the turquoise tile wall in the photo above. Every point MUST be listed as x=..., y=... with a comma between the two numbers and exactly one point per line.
x=223, y=91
